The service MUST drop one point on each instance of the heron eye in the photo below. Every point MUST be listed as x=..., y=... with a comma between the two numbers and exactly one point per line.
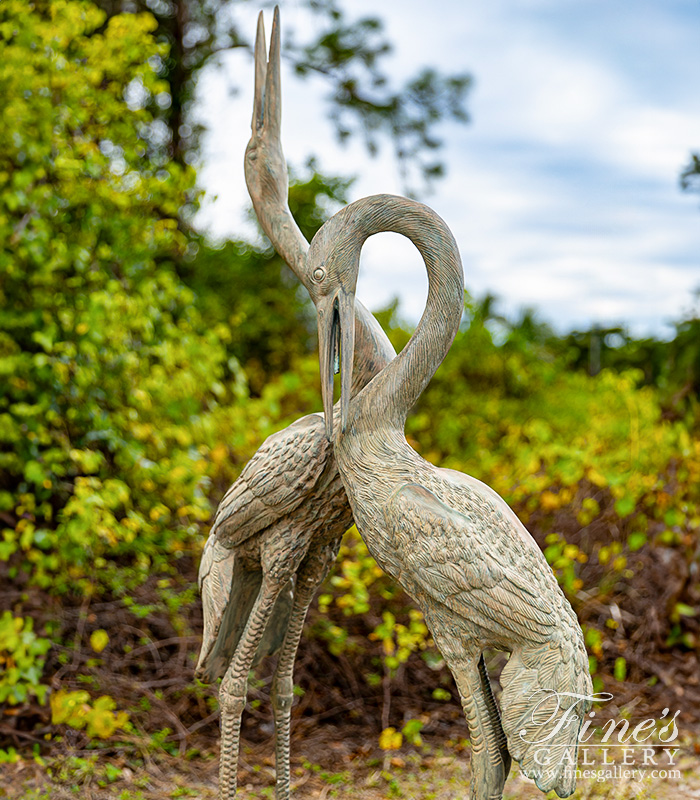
x=319, y=274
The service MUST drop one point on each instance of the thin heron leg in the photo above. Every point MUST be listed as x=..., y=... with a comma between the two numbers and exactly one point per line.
x=494, y=715
x=309, y=578
x=234, y=688
x=490, y=761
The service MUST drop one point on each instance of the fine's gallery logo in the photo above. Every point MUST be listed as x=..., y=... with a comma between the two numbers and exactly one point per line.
x=623, y=750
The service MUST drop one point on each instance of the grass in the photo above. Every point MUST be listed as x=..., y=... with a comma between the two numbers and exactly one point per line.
x=431, y=772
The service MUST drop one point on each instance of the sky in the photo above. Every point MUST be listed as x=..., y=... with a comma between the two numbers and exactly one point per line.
x=562, y=192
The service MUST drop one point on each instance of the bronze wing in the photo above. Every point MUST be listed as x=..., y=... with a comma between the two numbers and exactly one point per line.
x=274, y=482
x=449, y=559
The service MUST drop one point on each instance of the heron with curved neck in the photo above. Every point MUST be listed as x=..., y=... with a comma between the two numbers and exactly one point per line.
x=452, y=543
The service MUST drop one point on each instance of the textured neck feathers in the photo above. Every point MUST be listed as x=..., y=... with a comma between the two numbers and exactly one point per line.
x=391, y=394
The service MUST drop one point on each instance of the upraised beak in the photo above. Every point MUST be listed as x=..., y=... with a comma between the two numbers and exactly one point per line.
x=336, y=343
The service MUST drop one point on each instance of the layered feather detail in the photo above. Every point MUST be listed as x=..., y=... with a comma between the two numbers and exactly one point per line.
x=233, y=622
x=486, y=586
x=543, y=707
x=269, y=490
x=275, y=481
x=228, y=593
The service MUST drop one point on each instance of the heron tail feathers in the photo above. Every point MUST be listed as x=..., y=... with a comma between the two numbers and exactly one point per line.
x=228, y=593
x=545, y=698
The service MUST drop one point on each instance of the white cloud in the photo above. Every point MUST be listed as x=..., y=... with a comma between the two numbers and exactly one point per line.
x=563, y=191
x=653, y=140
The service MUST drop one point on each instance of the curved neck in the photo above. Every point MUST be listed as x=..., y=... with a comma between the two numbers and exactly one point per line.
x=373, y=350
x=394, y=391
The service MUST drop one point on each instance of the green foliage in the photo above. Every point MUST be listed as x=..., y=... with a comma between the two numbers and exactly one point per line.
x=536, y=432
x=563, y=557
x=99, y=639
x=77, y=771
x=314, y=197
x=690, y=176
x=671, y=366
x=97, y=717
x=21, y=660
x=351, y=53
x=356, y=580
x=620, y=669
x=411, y=732
x=398, y=640
x=251, y=291
x=9, y=756
x=347, y=54
x=107, y=378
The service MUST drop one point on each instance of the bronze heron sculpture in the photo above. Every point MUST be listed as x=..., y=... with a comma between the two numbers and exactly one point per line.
x=452, y=543
x=277, y=530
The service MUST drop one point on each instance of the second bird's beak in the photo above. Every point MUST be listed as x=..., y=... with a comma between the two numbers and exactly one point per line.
x=336, y=344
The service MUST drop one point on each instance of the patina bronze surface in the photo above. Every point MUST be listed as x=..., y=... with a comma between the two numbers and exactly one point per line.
x=451, y=542
x=448, y=539
x=277, y=531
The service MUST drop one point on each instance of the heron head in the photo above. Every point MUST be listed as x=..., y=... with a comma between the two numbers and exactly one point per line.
x=331, y=277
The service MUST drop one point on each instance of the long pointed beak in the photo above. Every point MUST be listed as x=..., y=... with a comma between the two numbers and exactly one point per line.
x=336, y=343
